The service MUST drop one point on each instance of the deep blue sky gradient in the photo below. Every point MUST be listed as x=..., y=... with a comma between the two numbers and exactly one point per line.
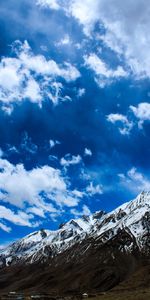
x=78, y=124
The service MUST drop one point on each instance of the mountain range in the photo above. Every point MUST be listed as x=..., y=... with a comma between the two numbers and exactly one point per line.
x=90, y=254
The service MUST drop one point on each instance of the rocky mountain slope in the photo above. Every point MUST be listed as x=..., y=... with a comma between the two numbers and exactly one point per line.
x=132, y=217
x=92, y=253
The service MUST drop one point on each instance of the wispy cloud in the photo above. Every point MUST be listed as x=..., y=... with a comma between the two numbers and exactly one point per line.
x=125, y=28
x=104, y=74
x=141, y=112
x=122, y=120
x=32, y=77
x=87, y=152
x=52, y=4
x=135, y=181
x=69, y=160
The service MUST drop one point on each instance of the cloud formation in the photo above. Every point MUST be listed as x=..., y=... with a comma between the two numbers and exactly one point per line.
x=141, y=112
x=32, y=77
x=72, y=45
x=125, y=25
x=53, y=4
x=135, y=180
x=94, y=189
x=87, y=152
x=104, y=75
x=122, y=120
x=69, y=160
x=20, y=218
x=38, y=191
x=125, y=28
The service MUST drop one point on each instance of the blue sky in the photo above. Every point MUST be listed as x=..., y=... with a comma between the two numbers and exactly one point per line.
x=74, y=109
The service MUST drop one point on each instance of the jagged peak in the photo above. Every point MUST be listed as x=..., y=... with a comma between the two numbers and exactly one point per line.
x=143, y=197
x=130, y=215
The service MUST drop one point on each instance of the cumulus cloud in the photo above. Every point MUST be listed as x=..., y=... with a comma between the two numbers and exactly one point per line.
x=32, y=77
x=126, y=28
x=104, y=75
x=32, y=91
x=84, y=212
x=141, y=112
x=134, y=180
x=87, y=152
x=39, y=192
x=19, y=218
x=81, y=92
x=53, y=143
x=123, y=120
x=41, y=66
x=86, y=12
x=70, y=160
x=19, y=185
x=92, y=189
x=64, y=41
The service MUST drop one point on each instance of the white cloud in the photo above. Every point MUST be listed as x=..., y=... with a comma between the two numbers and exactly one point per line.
x=123, y=120
x=141, y=112
x=26, y=145
x=37, y=211
x=87, y=152
x=40, y=211
x=126, y=25
x=77, y=193
x=32, y=91
x=53, y=158
x=41, y=66
x=64, y=41
x=135, y=181
x=113, y=118
x=52, y=4
x=54, y=93
x=5, y=227
x=70, y=160
x=100, y=68
x=40, y=187
x=12, y=149
x=19, y=218
x=84, y=212
x=9, y=78
x=93, y=190
x=53, y=143
x=42, y=192
x=81, y=92
x=86, y=12
x=126, y=28
x=104, y=75
x=32, y=77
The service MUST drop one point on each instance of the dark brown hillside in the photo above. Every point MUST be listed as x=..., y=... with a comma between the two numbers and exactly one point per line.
x=90, y=266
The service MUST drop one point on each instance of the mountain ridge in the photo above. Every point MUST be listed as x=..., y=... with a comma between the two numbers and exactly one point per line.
x=132, y=217
x=92, y=254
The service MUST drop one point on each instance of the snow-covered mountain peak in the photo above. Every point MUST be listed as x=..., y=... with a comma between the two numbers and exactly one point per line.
x=36, y=236
x=140, y=203
x=132, y=217
x=143, y=199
